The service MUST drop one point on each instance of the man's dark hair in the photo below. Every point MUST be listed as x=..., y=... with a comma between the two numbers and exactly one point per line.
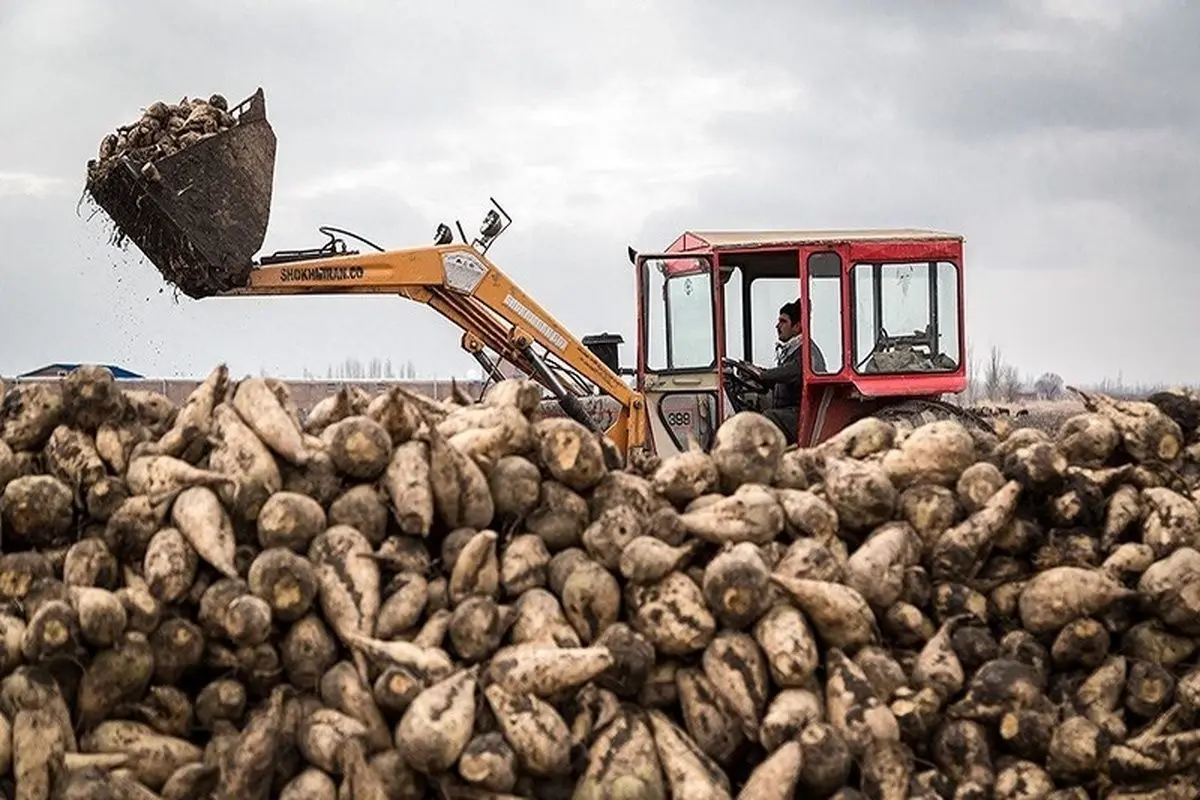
x=791, y=311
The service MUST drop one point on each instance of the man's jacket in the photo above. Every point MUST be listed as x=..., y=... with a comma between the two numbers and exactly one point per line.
x=785, y=376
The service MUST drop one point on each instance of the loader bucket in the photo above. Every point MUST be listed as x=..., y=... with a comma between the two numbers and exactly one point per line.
x=200, y=214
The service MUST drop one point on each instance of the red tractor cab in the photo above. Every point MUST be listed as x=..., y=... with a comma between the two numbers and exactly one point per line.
x=882, y=328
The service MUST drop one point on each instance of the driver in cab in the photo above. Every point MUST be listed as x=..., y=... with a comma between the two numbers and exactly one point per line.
x=782, y=404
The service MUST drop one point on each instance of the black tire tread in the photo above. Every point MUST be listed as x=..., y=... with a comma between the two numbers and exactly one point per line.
x=917, y=412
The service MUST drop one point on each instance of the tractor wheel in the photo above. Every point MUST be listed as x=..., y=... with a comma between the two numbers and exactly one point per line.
x=908, y=415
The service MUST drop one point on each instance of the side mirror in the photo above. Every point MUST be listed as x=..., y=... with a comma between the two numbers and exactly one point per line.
x=632, y=255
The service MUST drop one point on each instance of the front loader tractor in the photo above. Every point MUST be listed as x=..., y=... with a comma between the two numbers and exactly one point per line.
x=884, y=308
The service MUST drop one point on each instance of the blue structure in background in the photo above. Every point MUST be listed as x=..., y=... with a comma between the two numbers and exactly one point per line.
x=59, y=370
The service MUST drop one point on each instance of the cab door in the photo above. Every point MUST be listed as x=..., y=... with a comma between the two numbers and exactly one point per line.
x=678, y=349
x=824, y=289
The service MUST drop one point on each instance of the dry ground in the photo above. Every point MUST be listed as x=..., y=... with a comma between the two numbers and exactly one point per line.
x=1047, y=415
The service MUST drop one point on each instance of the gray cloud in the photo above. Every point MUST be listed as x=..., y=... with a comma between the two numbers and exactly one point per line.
x=1064, y=146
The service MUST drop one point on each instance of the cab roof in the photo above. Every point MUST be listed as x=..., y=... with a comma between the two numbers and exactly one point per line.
x=731, y=240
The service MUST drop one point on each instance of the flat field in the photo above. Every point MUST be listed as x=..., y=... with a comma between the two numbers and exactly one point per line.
x=1046, y=415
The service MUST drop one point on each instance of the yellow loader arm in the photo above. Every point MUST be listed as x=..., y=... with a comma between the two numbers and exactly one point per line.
x=462, y=285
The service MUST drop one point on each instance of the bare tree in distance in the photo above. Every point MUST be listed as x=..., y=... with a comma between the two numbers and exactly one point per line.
x=1049, y=386
x=1010, y=383
x=376, y=369
x=994, y=379
x=971, y=394
x=993, y=374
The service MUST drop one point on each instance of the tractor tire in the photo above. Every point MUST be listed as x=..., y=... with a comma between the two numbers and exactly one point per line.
x=909, y=415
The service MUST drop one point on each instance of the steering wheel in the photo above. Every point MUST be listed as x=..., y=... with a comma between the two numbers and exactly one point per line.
x=737, y=383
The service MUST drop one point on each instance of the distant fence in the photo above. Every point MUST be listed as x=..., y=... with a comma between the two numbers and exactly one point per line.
x=305, y=393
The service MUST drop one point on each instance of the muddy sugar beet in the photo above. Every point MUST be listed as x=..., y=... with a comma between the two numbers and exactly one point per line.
x=166, y=128
x=393, y=597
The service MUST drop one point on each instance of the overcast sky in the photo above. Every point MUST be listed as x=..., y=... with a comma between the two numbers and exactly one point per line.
x=1060, y=137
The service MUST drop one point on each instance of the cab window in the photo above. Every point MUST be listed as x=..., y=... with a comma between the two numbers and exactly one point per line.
x=824, y=323
x=906, y=317
x=767, y=296
x=680, y=334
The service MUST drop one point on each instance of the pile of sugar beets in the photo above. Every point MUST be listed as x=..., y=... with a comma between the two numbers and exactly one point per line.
x=395, y=597
x=165, y=129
